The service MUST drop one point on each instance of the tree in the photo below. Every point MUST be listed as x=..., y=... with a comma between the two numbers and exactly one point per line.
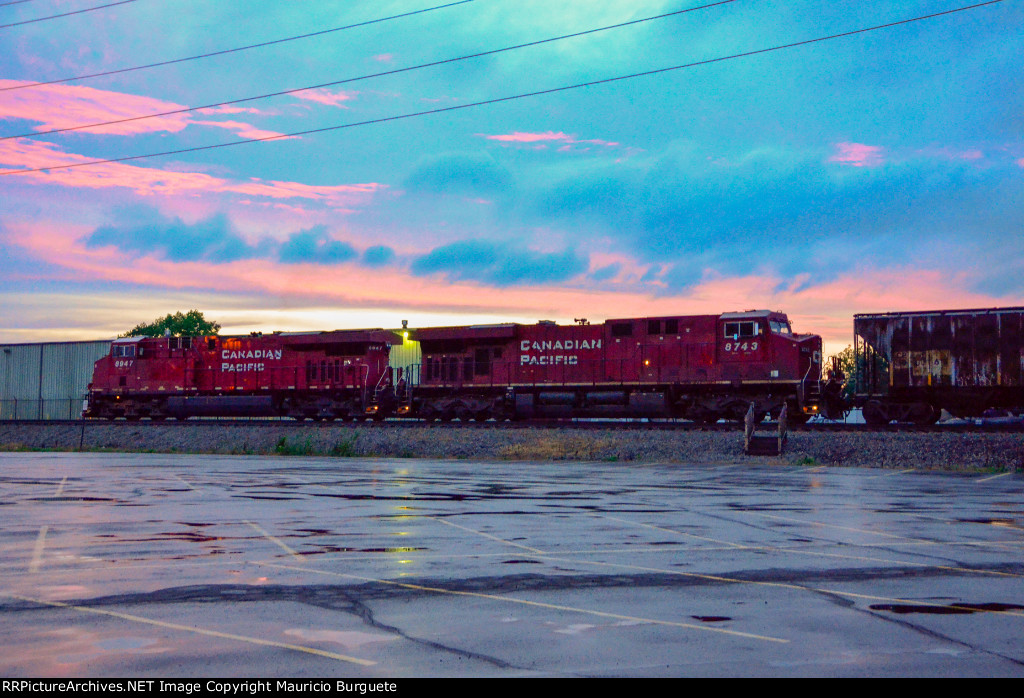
x=190, y=324
x=857, y=372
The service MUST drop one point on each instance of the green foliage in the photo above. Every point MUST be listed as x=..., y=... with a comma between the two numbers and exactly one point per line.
x=190, y=324
x=284, y=448
x=346, y=448
x=857, y=372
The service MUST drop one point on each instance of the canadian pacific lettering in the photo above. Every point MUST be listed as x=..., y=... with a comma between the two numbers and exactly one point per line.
x=540, y=355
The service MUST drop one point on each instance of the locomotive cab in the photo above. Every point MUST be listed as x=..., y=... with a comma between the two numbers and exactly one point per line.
x=760, y=345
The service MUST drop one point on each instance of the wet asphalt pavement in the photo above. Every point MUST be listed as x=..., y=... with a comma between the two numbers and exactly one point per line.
x=176, y=565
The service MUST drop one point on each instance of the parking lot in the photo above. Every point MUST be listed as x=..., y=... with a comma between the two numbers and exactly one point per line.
x=179, y=565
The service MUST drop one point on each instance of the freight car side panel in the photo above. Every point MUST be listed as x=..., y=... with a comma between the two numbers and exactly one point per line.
x=961, y=360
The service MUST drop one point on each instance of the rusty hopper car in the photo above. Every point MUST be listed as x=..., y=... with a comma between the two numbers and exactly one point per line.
x=915, y=364
x=318, y=375
x=702, y=368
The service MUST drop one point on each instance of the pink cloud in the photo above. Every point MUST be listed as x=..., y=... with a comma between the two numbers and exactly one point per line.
x=24, y=153
x=68, y=106
x=333, y=99
x=229, y=110
x=857, y=154
x=519, y=137
x=538, y=139
x=384, y=57
x=1020, y=163
x=64, y=106
x=244, y=130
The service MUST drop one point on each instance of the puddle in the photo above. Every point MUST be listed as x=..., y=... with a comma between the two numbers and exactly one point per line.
x=951, y=609
x=995, y=522
x=711, y=619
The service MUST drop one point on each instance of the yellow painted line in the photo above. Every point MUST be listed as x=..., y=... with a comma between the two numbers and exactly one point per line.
x=485, y=535
x=192, y=629
x=993, y=477
x=780, y=585
x=802, y=551
x=842, y=528
x=898, y=472
x=37, y=551
x=669, y=530
x=184, y=482
x=536, y=604
x=276, y=541
x=60, y=487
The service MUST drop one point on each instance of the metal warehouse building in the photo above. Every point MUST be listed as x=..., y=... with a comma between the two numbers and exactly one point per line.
x=47, y=380
x=50, y=380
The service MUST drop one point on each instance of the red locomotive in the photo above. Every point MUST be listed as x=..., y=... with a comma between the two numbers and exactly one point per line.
x=702, y=368
x=340, y=374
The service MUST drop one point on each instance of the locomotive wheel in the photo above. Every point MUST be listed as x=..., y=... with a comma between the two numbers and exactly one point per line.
x=923, y=414
x=875, y=413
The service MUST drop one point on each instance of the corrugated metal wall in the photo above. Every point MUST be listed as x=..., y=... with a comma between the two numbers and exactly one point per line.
x=46, y=381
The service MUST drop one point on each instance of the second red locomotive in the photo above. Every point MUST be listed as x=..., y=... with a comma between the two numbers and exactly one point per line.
x=698, y=367
x=311, y=375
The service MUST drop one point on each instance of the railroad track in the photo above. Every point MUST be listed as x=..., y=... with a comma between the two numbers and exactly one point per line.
x=581, y=424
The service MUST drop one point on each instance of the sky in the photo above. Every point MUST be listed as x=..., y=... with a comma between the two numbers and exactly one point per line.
x=878, y=171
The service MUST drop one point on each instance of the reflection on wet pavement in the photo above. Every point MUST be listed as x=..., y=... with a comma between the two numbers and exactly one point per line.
x=118, y=564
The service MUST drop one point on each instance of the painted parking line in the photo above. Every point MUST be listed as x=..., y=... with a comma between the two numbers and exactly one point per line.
x=818, y=553
x=781, y=585
x=842, y=528
x=60, y=487
x=670, y=530
x=192, y=629
x=184, y=482
x=485, y=535
x=993, y=477
x=274, y=540
x=37, y=551
x=535, y=604
x=890, y=474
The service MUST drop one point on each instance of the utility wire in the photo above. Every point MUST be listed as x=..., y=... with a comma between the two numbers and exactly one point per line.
x=36, y=134
x=14, y=2
x=233, y=50
x=65, y=14
x=508, y=98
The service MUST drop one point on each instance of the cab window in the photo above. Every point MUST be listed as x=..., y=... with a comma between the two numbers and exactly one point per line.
x=780, y=327
x=736, y=330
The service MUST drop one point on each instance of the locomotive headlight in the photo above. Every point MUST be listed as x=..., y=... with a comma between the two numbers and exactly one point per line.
x=647, y=362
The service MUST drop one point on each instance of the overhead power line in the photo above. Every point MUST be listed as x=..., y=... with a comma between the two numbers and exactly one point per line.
x=233, y=50
x=63, y=14
x=37, y=134
x=509, y=98
x=14, y=2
